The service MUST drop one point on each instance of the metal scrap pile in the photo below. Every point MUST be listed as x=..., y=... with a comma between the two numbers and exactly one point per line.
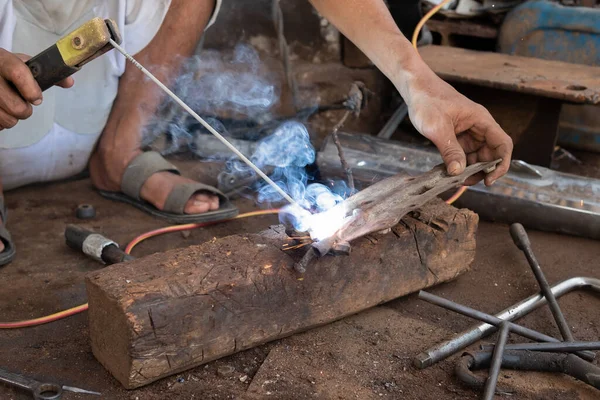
x=551, y=355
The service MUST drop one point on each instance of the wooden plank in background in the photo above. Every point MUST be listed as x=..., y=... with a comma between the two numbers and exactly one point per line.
x=545, y=78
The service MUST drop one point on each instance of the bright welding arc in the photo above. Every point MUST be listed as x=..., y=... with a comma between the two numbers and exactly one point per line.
x=203, y=122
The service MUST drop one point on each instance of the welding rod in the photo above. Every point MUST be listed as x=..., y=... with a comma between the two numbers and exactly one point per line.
x=492, y=320
x=492, y=380
x=562, y=347
x=203, y=122
x=519, y=236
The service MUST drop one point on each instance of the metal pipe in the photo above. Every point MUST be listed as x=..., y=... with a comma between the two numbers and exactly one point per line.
x=464, y=367
x=449, y=347
x=490, y=319
x=519, y=236
x=570, y=347
x=492, y=380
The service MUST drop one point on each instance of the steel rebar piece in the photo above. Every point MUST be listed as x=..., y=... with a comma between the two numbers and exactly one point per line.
x=519, y=236
x=492, y=320
x=468, y=337
x=569, y=347
x=492, y=380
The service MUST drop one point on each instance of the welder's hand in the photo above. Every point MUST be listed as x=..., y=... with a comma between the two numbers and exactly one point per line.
x=463, y=131
x=18, y=89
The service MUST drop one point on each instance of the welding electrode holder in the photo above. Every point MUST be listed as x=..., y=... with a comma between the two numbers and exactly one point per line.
x=95, y=245
x=73, y=51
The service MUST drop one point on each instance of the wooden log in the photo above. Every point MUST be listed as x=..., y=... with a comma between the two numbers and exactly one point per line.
x=164, y=313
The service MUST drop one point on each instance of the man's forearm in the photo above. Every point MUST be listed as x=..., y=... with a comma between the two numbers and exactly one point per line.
x=369, y=25
x=436, y=109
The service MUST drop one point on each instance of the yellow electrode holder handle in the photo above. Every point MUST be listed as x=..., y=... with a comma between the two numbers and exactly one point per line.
x=71, y=52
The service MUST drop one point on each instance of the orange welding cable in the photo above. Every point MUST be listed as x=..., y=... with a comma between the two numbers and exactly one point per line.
x=187, y=227
x=44, y=320
x=175, y=228
x=415, y=36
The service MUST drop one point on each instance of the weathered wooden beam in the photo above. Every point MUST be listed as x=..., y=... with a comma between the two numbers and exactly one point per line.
x=165, y=313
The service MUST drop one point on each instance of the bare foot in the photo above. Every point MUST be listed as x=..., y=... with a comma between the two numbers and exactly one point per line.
x=158, y=186
x=107, y=169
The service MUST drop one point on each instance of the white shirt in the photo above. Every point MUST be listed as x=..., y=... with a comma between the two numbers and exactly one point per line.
x=31, y=26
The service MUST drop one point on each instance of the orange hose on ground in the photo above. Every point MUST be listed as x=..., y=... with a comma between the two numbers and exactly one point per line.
x=187, y=227
x=175, y=228
x=44, y=320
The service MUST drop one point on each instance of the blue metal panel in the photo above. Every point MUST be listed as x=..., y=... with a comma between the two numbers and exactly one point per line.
x=548, y=30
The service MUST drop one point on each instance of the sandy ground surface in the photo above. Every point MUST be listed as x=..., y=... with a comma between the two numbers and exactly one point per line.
x=366, y=356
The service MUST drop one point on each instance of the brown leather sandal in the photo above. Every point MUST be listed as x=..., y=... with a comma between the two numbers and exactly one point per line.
x=149, y=163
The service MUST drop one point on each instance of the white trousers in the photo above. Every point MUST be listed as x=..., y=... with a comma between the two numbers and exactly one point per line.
x=59, y=155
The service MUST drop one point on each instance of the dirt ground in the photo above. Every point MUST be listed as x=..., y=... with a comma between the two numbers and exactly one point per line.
x=366, y=356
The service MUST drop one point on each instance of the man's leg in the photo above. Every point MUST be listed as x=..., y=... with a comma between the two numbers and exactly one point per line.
x=138, y=99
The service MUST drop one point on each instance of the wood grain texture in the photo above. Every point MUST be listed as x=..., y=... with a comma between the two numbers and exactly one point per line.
x=168, y=312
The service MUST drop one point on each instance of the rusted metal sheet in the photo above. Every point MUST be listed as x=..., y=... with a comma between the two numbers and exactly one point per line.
x=558, y=80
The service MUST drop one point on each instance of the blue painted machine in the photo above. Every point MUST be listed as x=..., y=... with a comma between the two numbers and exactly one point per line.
x=548, y=30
